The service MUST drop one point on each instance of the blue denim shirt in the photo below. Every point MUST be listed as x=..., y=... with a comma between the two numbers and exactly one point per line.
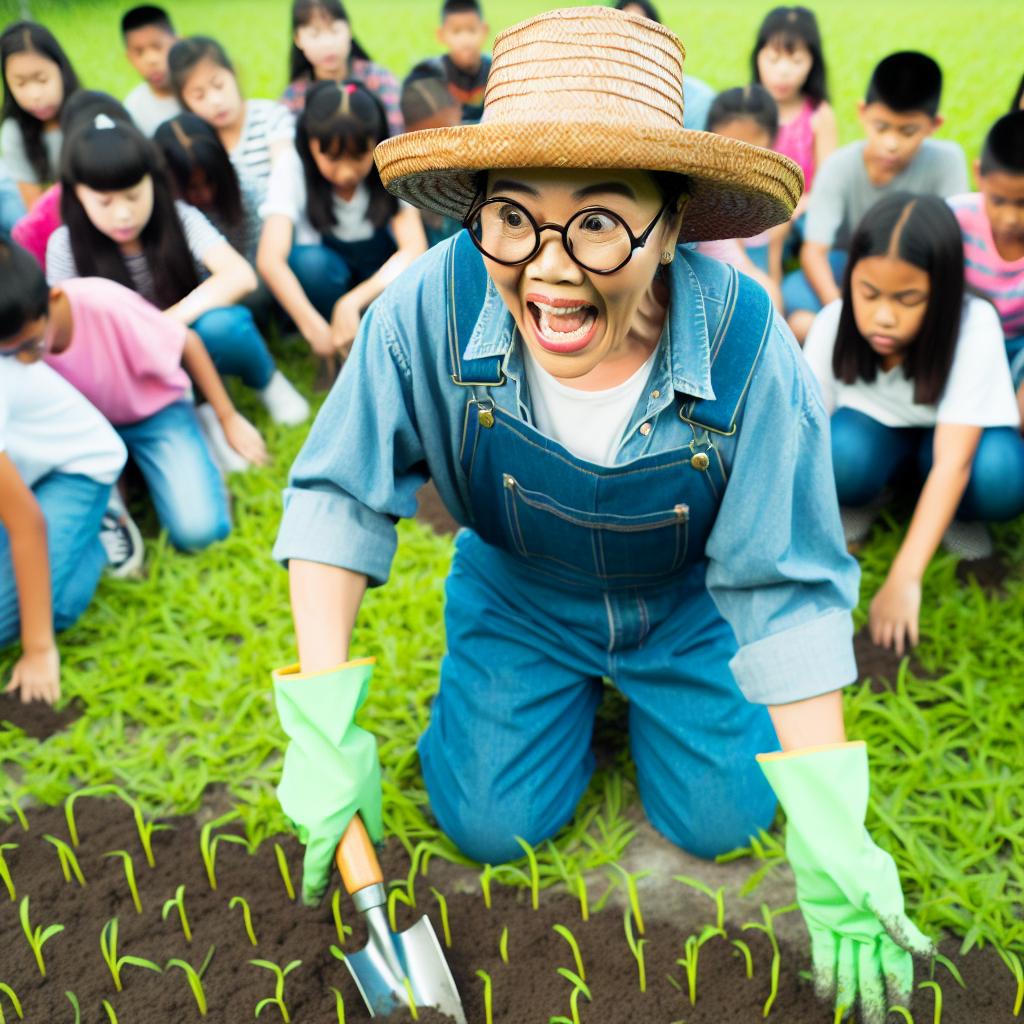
x=778, y=569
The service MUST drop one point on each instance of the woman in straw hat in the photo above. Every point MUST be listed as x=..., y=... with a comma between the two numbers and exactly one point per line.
x=641, y=463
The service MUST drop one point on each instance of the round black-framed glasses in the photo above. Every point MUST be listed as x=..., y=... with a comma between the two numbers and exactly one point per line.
x=596, y=238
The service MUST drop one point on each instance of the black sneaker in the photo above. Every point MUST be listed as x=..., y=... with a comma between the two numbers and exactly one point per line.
x=122, y=542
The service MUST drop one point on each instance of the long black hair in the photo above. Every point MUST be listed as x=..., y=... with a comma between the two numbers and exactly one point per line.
x=745, y=101
x=788, y=28
x=303, y=12
x=342, y=118
x=189, y=144
x=29, y=37
x=186, y=53
x=923, y=231
x=650, y=11
x=108, y=156
x=1018, y=96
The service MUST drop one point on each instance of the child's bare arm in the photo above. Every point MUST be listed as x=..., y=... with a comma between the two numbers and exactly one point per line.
x=231, y=278
x=818, y=271
x=37, y=672
x=826, y=133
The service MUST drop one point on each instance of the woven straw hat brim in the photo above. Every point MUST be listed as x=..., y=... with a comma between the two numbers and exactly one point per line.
x=737, y=190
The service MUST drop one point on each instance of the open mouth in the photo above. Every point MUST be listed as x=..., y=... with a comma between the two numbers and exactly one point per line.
x=565, y=325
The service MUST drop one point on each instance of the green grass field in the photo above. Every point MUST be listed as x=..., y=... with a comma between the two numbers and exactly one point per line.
x=174, y=670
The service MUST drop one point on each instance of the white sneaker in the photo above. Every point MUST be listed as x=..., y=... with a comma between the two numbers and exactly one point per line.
x=225, y=457
x=968, y=541
x=122, y=542
x=283, y=402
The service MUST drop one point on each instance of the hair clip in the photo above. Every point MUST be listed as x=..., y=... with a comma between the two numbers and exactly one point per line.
x=350, y=88
x=103, y=121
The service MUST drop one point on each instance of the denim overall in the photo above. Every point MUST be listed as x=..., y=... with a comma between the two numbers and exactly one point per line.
x=572, y=573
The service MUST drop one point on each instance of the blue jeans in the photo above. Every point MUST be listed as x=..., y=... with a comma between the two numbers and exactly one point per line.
x=235, y=345
x=73, y=506
x=866, y=456
x=12, y=207
x=797, y=292
x=187, y=491
x=1015, y=353
x=508, y=752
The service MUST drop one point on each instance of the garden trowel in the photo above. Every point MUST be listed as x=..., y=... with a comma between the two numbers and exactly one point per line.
x=393, y=965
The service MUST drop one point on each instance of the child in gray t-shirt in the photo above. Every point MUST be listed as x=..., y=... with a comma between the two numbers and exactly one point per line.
x=898, y=115
x=148, y=37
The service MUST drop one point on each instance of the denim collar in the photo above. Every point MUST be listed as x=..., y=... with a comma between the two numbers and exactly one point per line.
x=685, y=335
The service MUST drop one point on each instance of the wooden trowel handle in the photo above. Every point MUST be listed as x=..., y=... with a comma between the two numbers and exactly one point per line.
x=357, y=859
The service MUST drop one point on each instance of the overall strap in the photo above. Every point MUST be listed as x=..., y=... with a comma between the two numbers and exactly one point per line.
x=465, y=299
x=735, y=348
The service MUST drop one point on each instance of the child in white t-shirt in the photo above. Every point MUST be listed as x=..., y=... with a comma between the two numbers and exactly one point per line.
x=914, y=374
x=58, y=460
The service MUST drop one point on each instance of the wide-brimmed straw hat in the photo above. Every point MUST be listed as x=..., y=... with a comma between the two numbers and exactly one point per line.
x=591, y=87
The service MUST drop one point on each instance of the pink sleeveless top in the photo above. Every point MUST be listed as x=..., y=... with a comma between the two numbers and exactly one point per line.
x=796, y=140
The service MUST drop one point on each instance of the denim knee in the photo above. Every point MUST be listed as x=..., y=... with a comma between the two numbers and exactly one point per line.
x=198, y=528
x=724, y=830
x=859, y=469
x=995, y=492
x=323, y=274
x=487, y=833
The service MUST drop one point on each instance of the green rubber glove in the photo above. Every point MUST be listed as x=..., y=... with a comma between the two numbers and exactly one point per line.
x=862, y=942
x=331, y=768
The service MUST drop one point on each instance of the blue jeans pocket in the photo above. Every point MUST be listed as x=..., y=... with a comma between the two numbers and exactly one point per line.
x=608, y=547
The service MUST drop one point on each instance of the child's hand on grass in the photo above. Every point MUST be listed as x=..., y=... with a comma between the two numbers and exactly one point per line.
x=895, y=614
x=345, y=323
x=36, y=676
x=245, y=439
x=319, y=335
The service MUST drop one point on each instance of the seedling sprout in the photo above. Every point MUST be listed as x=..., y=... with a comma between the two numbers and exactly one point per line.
x=443, y=906
x=485, y=884
x=531, y=858
x=1013, y=962
x=718, y=895
x=68, y=861
x=634, y=897
x=115, y=963
x=636, y=947
x=278, y=997
x=503, y=945
x=488, y=997
x=178, y=903
x=937, y=988
x=195, y=978
x=240, y=901
x=111, y=1016
x=38, y=936
x=742, y=949
x=146, y=830
x=340, y=928
x=282, y=867
x=208, y=844
x=69, y=806
x=9, y=992
x=339, y=1005
x=395, y=897
x=73, y=1000
x=901, y=1010
x=768, y=928
x=581, y=892
x=129, y=875
x=411, y=997
x=5, y=873
x=560, y=929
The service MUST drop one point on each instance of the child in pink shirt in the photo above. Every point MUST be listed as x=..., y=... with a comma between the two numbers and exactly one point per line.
x=130, y=361
x=33, y=231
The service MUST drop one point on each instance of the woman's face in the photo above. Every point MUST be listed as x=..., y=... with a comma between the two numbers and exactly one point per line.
x=570, y=318
x=212, y=92
x=326, y=43
x=121, y=215
x=890, y=299
x=35, y=84
x=783, y=71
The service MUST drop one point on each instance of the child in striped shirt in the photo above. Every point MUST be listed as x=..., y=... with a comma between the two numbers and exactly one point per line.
x=992, y=222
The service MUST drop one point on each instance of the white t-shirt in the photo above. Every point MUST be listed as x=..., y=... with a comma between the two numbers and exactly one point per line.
x=47, y=426
x=265, y=123
x=979, y=391
x=14, y=158
x=148, y=110
x=590, y=424
x=286, y=194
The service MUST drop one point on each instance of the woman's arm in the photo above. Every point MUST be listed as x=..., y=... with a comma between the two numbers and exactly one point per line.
x=272, y=263
x=411, y=239
x=826, y=133
x=231, y=278
x=240, y=433
x=325, y=602
x=37, y=672
x=896, y=607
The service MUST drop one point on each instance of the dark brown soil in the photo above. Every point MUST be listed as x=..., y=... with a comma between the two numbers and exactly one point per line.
x=991, y=573
x=37, y=719
x=432, y=511
x=880, y=665
x=526, y=990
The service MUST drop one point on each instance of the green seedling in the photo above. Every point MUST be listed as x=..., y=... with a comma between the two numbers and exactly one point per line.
x=195, y=978
x=636, y=947
x=411, y=996
x=937, y=988
x=582, y=896
x=68, y=861
x=634, y=896
x=579, y=987
x=111, y=1016
x=717, y=895
x=178, y=903
x=277, y=999
x=742, y=949
x=339, y=1005
x=208, y=844
x=116, y=964
x=38, y=936
x=901, y=1010
x=503, y=945
x=531, y=858
x=485, y=884
x=129, y=875
x=15, y=1002
x=69, y=806
x=18, y=813
x=73, y=1000
x=768, y=928
x=443, y=906
x=560, y=929
x=395, y=897
x=691, y=954
x=5, y=871
x=340, y=928
x=240, y=901
x=488, y=997
x=146, y=830
x=282, y=867
x=938, y=958
x=1016, y=967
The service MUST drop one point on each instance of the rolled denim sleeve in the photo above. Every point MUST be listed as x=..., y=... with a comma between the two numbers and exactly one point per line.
x=362, y=464
x=778, y=567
